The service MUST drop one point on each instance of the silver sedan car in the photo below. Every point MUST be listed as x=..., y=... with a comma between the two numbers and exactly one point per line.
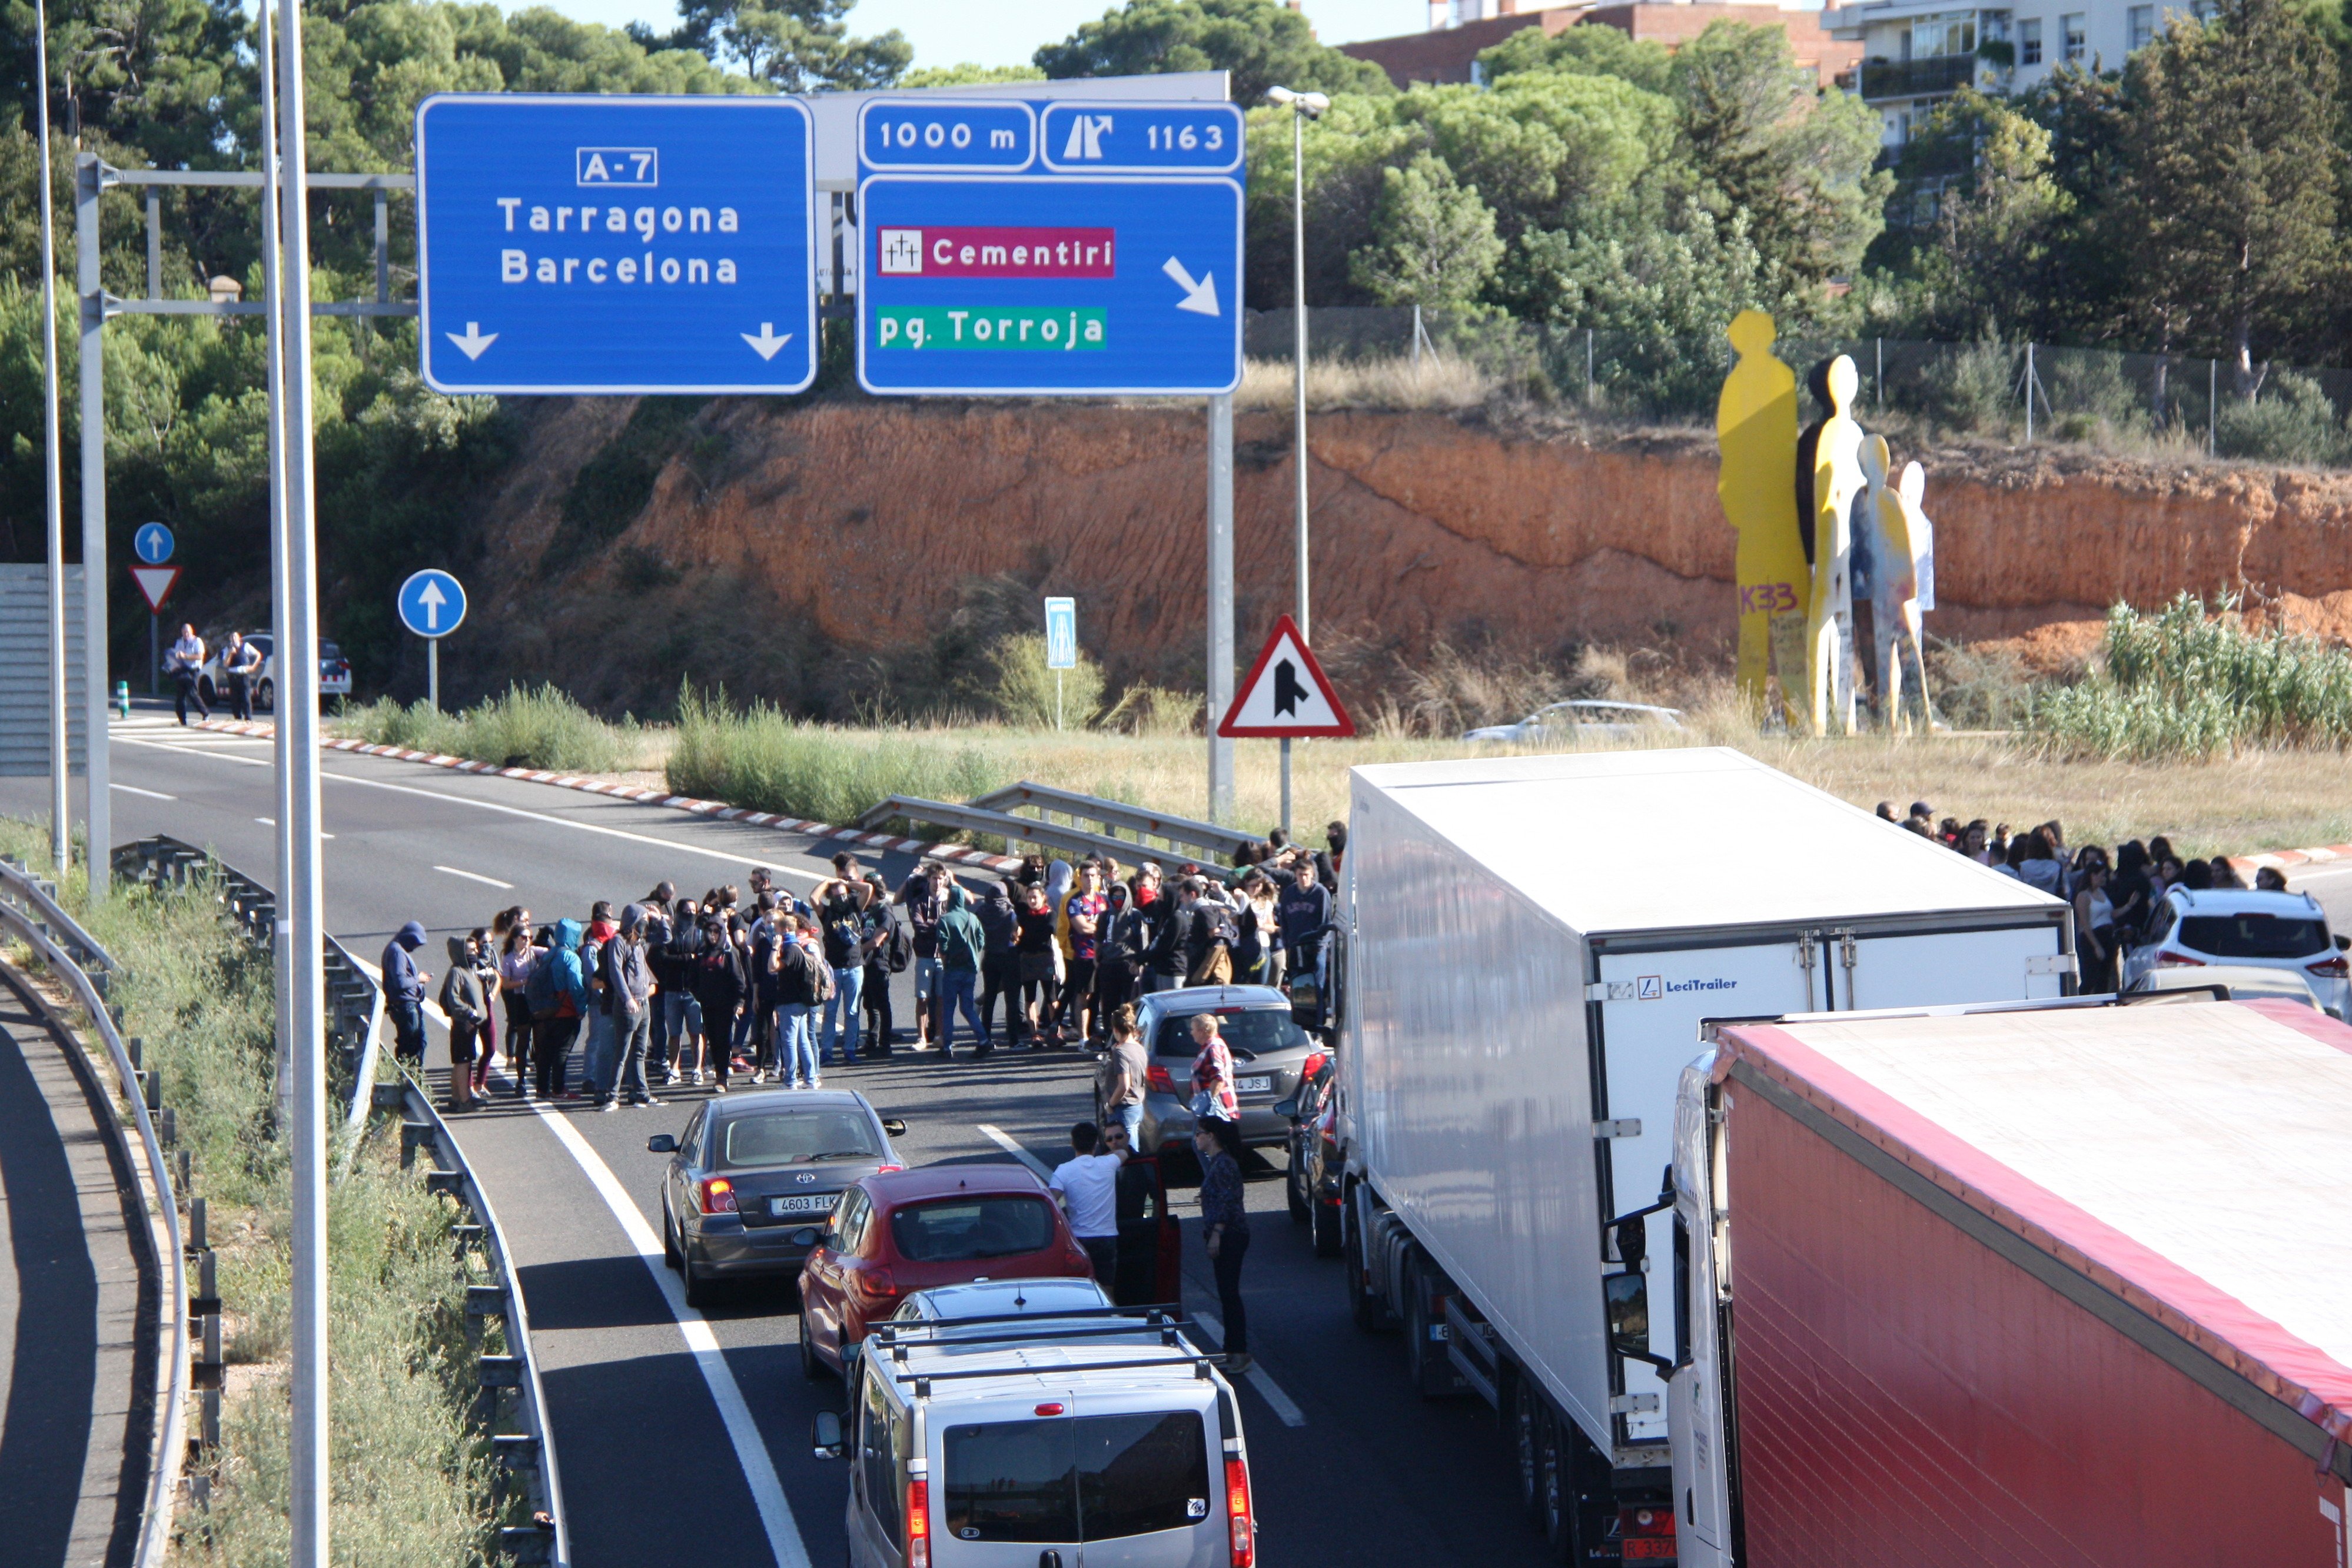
x=1268, y=1047
x=754, y=1176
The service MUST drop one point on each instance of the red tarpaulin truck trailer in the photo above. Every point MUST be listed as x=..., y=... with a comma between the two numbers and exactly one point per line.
x=2054, y=1284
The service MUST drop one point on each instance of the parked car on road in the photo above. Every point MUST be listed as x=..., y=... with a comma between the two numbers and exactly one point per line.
x=1585, y=718
x=2248, y=929
x=1317, y=1170
x=211, y=681
x=1268, y=1046
x=2243, y=983
x=901, y=1231
x=980, y=1445
x=752, y=1177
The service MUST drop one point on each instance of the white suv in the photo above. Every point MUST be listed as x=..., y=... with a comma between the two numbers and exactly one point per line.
x=1003, y=1440
x=2266, y=931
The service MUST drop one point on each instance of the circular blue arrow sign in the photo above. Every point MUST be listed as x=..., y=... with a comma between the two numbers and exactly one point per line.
x=152, y=543
x=431, y=603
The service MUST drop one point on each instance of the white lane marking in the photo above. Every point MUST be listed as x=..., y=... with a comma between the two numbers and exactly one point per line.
x=775, y=1513
x=2300, y=875
x=1282, y=1405
x=998, y=1136
x=272, y=822
x=134, y=789
x=735, y=857
x=758, y=1470
x=196, y=752
x=476, y=877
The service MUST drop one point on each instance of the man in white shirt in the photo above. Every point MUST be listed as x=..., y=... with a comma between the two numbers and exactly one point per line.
x=1087, y=1183
x=186, y=663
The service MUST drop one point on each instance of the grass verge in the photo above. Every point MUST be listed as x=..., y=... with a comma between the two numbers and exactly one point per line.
x=523, y=728
x=410, y=1471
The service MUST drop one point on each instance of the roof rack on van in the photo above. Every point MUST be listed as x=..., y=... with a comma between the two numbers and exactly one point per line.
x=1199, y=1360
x=1150, y=1315
x=1169, y=1332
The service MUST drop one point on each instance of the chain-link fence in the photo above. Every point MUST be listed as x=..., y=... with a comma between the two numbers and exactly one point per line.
x=2013, y=391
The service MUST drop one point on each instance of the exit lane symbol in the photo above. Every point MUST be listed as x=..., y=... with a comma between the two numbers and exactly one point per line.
x=766, y=345
x=473, y=339
x=1201, y=296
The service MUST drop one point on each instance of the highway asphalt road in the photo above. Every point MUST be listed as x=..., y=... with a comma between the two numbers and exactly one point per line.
x=683, y=1437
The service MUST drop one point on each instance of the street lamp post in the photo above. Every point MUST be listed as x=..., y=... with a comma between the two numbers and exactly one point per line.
x=1304, y=107
x=53, y=477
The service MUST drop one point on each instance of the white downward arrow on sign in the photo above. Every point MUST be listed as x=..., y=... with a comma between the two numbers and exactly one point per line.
x=1200, y=297
x=475, y=341
x=766, y=345
x=432, y=598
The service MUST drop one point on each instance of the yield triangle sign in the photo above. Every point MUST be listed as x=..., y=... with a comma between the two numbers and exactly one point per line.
x=1286, y=694
x=155, y=583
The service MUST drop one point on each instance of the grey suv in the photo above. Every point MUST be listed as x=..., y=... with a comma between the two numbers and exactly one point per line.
x=1269, y=1049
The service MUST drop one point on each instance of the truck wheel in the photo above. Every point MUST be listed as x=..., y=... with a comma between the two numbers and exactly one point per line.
x=1555, y=1501
x=1363, y=1307
x=1527, y=1419
x=1327, y=1240
x=1418, y=1346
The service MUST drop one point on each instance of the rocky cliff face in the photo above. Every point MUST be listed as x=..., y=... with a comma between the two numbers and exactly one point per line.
x=816, y=531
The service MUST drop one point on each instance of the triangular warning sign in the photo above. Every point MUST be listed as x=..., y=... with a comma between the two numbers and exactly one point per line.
x=155, y=583
x=1286, y=693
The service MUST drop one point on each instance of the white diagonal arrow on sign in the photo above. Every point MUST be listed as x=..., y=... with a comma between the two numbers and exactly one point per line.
x=432, y=598
x=1201, y=296
x=766, y=345
x=475, y=341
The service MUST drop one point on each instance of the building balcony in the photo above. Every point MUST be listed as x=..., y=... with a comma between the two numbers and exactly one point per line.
x=1931, y=77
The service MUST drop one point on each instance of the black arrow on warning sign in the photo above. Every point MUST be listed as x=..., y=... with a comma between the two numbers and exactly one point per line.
x=1287, y=687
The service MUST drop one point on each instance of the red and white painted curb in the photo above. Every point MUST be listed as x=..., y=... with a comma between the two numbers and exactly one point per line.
x=718, y=811
x=2286, y=860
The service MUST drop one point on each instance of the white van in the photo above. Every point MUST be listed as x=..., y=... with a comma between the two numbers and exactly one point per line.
x=1098, y=1438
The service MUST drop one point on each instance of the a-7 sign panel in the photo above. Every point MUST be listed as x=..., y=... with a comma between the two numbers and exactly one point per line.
x=615, y=244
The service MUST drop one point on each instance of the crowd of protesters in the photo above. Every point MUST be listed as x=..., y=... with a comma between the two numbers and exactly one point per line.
x=2116, y=894
x=757, y=983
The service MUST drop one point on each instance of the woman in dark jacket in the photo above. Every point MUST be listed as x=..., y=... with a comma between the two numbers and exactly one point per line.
x=722, y=979
x=1226, y=1222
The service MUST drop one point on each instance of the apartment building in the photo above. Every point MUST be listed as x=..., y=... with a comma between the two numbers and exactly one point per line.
x=1917, y=53
x=1459, y=29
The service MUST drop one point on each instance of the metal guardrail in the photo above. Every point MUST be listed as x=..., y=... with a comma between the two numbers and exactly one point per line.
x=354, y=1005
x=29, y=907
x=356, y=1017
x=1180, y=833
x=531, y=1452
x=982, y=816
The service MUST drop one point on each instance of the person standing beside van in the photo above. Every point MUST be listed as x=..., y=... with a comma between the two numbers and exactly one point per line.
x=1126, y=1071
x=1087, y=1183
x=1226, y=1222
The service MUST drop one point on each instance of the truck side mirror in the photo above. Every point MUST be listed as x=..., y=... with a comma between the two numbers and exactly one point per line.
x=825, y=1434
x=1625, y=1298
x=1632, y=1242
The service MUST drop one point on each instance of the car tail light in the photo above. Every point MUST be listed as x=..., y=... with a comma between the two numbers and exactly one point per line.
x=873, y=1284
x=2167, y=958
x=1311, y=1065
x=2333, y=968
x=918, y=1524
x=1049, y=1409
x=1237, y=1510
x=886, y=1170
x=719, y=1195
x=1157, y=1077
x=1647, y=1534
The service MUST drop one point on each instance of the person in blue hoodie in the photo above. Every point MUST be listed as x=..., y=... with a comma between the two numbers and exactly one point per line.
x=558, y=982
x=403, y=993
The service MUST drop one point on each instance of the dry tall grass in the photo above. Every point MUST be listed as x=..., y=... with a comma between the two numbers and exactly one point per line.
x=1438, y=380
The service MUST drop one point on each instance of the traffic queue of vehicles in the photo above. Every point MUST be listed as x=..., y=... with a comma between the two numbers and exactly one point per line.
x=1923, y=1261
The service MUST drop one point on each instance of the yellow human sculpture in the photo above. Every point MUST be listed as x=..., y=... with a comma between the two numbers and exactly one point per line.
x=1829, y=622
x=1756, y=424
x=1911, y=542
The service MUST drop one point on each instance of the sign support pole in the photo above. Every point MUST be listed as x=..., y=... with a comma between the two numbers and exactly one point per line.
x=300, y=899
x=154, y=653
x=53, y=474
x=1286, y=786
x=433, y=677
x=88, y=180
x=1221, y=605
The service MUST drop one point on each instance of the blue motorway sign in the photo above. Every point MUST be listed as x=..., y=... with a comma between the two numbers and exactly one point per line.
x=1140, y=138
x=615, y=244
x=432, y=603
x=946, y=135
x=1061, y=634
x=1038, y=285
x=152, y=543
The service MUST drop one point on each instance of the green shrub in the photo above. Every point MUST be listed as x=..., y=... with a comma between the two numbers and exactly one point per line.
x=762, y=759
x=2292, y=422
x=1973, y=388
x=2194, y=681
x=1023, y=689
x=523, y=728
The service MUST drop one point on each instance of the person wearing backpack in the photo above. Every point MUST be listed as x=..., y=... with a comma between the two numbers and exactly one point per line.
x=889, y=951
x=557, y=995
x=804, y=983
x=681, y=1008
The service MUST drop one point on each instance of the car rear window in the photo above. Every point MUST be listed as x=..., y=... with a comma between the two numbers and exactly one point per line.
x=329, y=650
x=1088, y=1477
x=2252, y=935
x=1258, y=1032
x=955, y=1230
x=797, y=1137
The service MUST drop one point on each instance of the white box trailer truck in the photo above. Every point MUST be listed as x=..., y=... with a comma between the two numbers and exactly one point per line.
x=1526, y=948
x=2054, y=1284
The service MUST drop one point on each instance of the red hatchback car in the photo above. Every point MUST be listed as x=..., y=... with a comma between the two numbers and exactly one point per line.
x=902, y=1231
